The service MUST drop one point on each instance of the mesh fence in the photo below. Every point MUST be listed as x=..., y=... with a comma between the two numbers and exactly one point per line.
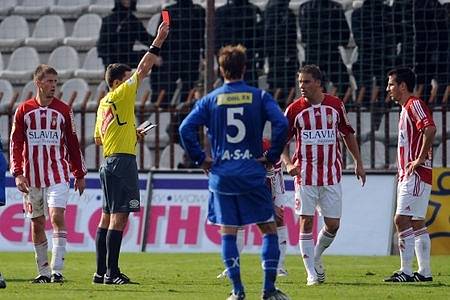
x=354, y=42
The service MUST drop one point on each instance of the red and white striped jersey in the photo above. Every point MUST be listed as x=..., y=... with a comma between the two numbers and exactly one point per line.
x=317, y=150
x=415, y=116
x=44, y=146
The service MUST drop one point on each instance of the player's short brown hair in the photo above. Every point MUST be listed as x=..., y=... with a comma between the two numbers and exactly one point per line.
x=406, y=75
x=313, y=70
x=115, y=72
x=232, y=60
x=43, y=70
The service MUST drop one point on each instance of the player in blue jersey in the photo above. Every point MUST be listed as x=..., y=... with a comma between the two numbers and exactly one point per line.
x=3, y=165
x=234, y=115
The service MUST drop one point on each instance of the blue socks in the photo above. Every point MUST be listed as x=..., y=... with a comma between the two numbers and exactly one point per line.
x=270, y=255
x=230, y=256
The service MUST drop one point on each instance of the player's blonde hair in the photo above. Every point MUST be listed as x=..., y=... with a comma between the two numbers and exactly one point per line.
x=43, y=70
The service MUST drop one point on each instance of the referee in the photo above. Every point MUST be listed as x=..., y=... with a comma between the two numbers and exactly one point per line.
x=115, y=129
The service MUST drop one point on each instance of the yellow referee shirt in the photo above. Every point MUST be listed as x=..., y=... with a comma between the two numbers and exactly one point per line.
x=115, y=123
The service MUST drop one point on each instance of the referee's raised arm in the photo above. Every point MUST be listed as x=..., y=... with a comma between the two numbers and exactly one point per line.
x=149, y=59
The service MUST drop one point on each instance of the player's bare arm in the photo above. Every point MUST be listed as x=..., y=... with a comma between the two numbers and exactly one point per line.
x=352, y=146
x=149, y=59
x=79, y=185
x=428, y=136
x=290, y=167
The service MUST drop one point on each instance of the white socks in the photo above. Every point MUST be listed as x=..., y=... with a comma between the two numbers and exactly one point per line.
x=58, y=251
x=306, y=244
x=324, y=241
x=406, y=247
x=40, y=251
x=240, y=243
x=282, y=244
x=422, y=247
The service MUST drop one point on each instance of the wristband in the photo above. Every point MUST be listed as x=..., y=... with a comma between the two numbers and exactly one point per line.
x=154, y=50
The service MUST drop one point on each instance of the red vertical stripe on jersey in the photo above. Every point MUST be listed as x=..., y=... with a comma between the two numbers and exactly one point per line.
x=35, y=151
x=320, y=159
x=330, y=148
x=308, y=149
x=54, y=163
x=44, y=149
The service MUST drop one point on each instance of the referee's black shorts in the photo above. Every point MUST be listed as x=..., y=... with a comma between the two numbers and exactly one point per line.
x=120, y=184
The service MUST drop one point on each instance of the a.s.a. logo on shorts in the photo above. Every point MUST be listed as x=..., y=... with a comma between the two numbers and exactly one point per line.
x=134, y=203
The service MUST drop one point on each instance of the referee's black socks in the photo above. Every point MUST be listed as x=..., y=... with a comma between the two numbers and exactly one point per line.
x=100, y=247
x=113, y=243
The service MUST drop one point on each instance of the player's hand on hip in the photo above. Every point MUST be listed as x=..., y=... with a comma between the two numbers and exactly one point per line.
x=22, y=184
x=263, y=159
x=79, y=185
x=207, y=165
x=412, y=166
x=292, y=170
x=360, y=173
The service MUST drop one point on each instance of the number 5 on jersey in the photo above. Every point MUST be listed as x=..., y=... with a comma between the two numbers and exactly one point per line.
x=232, y=120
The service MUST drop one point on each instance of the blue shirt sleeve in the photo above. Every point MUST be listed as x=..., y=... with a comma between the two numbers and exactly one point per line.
x=279, y=127
x=189, y=131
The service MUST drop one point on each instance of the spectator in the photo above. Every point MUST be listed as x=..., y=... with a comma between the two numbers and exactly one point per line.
x=240, y=22
x=431, y=47
x=324, y=28
x=371, y=31
x=118, y=34
x=182, y=51
x=402, y=20
x=280, y=46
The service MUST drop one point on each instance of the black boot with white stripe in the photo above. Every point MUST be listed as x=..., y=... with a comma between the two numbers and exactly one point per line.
x=120, y=279
x=399, y=276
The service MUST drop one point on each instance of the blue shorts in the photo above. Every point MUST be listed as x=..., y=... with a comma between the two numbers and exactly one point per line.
x=239, y=210
x=2, y=179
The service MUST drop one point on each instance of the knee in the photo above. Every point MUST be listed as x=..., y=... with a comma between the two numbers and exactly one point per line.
x=38, y=224
x=58, y=221
x=332, y=226
x=118, y=221
x=402, y=222
x=104, y=221
x=306, y=224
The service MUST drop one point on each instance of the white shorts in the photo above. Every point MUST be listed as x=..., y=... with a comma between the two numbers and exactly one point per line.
x=38, y=200
x=327, y=199
x=413, y=195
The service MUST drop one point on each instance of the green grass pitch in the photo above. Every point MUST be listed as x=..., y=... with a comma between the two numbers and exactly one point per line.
x=193, y=276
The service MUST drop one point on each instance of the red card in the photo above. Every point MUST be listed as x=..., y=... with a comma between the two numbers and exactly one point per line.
x=165, y=16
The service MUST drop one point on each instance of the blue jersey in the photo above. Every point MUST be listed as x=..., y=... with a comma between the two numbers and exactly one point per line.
x=235, y=115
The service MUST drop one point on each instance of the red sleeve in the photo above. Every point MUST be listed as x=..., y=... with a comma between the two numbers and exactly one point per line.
x=344, y=125
x=290, y=114
x=17, y=142
x=76, y=159
x=420, y=114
